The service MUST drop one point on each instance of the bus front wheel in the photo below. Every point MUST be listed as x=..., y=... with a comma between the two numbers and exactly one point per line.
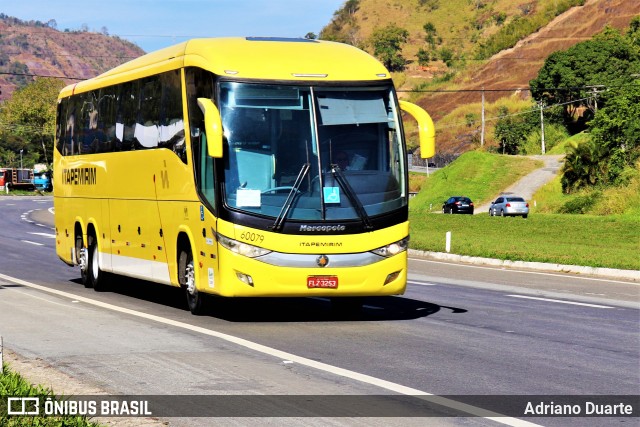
x=187, y=279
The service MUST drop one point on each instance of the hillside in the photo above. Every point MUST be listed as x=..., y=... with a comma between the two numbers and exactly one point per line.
x=515, y=67
x=36, y=48
x=465, y=27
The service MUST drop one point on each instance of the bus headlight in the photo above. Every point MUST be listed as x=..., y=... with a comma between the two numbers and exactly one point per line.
x=393, y=248
x=241, y=248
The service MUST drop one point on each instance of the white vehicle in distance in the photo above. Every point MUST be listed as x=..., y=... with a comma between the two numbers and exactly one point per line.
x=509, y=206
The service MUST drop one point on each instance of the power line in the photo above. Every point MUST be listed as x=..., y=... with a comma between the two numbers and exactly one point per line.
x=80, y=56
x=42, y=75
x=517, y=89
x=520, y=113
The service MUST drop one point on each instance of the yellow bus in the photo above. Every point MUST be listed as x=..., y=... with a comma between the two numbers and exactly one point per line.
x=238, y=167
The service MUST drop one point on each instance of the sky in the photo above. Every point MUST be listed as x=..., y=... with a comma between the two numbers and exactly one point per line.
x=154, y=24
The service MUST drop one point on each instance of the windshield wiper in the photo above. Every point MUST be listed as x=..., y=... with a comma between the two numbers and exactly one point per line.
x=277, y=225
x=351, y=195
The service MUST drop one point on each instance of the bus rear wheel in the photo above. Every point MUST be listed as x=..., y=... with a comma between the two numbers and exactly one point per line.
x=97, y=279
x=187, y=279
x=82, y=255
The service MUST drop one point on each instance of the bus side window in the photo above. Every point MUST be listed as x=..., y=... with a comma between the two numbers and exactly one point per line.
x=171, y=120
x=200, y=85
x=61, y=130
x=107, y=118
x=128, y=111
x=146, y=132
x=77, y=123
x=91, y=134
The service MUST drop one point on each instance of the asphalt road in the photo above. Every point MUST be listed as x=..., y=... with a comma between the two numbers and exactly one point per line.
x=458, y=330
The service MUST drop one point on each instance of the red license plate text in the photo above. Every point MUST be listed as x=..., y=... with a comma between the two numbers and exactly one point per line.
x=327, y=282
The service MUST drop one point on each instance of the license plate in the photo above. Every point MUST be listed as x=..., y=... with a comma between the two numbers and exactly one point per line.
x=326, y=282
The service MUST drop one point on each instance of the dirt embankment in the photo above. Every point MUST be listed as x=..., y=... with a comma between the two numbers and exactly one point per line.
x=514, y=68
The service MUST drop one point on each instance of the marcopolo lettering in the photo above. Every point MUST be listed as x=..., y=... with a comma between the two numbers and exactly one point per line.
x=79, y=176
x=322, y=228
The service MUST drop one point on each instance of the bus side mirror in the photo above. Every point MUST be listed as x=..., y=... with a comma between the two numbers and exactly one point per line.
x=426, y=130
x=212, y=127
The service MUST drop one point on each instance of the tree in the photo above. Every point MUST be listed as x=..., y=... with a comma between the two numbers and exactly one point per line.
x=600, y=75
x=576, y=76
x=634, y=30
x=30, y=117
x=446, y=55
x=430, y=36
x=423, y=57
x=615, y=129
x=583, y=165
x=343, y=26
x=512, y=131
x=387, y=45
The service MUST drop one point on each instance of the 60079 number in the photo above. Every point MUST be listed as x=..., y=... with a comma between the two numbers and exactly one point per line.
x=250, y=236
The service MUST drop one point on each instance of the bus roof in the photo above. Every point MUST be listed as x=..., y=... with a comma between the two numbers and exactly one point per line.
x=259, y=58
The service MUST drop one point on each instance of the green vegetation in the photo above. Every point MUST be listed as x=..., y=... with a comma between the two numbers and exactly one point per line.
x=387, y=46
x=474, y=174
x=13, y=385
x=605, y=234
x=623, y=200
x=521, y=26
x=594, y=241
x=598, y=76
x=27, y=123
x=459, y=29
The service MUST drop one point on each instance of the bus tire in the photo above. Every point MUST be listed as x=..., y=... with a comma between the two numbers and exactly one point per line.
x=82, y=257
x=187, y=279
x=97, y=277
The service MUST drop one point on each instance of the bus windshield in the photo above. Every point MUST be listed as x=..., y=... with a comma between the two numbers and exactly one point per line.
x=311, y=153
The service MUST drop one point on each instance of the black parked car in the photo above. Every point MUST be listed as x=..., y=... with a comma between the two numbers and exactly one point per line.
x=458, y=204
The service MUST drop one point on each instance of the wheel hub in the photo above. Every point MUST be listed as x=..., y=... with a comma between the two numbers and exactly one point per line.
x=84, y=259
x=190, y=278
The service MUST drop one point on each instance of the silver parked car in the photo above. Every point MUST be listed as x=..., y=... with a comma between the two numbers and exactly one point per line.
x=509, y=206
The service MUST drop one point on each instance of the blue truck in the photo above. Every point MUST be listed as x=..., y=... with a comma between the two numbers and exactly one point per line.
x=42, y=179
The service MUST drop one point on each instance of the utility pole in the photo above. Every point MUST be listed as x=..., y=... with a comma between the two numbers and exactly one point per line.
x=482, y=128
x=595, y=92
x=542, y=125
x=595, y=99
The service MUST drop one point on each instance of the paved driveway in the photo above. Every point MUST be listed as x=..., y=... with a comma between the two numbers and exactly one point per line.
x=529, y=184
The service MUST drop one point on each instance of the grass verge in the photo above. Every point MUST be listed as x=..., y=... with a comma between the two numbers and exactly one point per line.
x=586, y=240
x=475, y=174
x=13, y=385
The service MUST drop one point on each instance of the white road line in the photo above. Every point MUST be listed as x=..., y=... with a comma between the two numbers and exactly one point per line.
x=32, y=243
x=516, y=270
x=49, y=235
x=413, y=282
x=283, y=355
x=560, y=301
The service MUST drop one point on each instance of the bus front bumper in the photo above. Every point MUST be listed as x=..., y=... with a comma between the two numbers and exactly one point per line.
x=241, y=276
